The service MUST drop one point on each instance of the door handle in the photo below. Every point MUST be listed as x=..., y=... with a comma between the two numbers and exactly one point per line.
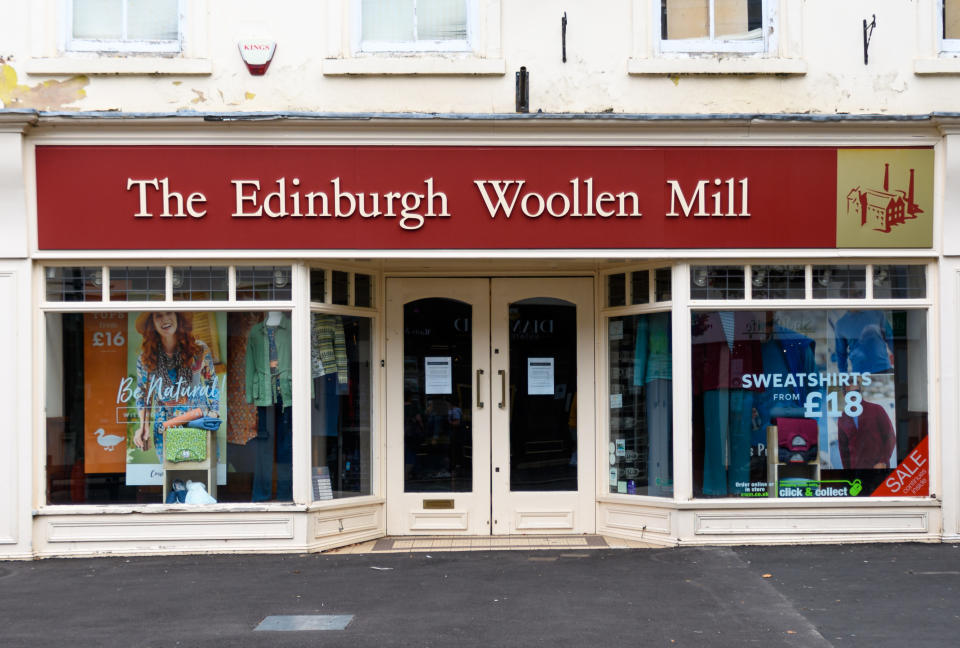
x=479, y=402
x=503, y=388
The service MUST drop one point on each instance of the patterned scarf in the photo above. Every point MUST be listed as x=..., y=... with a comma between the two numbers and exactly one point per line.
x=167, y=364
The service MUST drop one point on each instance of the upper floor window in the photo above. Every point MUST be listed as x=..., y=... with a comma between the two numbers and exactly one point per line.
x=714, y=25
x=416, y=25
x=124, y=26
x=950, y=25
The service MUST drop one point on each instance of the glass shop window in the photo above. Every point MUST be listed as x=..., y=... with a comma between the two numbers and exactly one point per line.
x=641, y=404
x=810, y=403
x=340, y=426
x=177, y=407
x=74, y=283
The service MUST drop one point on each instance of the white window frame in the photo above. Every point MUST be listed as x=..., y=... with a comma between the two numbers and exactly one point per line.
x=950, y=45
x=361, y=45
x=710, y=45
x=348, y=55
x=71, y=44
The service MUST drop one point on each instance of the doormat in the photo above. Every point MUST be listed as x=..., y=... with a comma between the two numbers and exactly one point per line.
x=486, y=543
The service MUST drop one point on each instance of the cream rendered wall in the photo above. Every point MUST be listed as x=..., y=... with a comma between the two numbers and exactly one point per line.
x=823, y=36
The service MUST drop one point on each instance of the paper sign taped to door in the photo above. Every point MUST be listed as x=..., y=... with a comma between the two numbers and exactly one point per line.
x=438, y=375
x=540, y=376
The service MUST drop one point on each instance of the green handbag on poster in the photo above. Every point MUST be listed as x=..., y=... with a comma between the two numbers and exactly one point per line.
x=185, y=444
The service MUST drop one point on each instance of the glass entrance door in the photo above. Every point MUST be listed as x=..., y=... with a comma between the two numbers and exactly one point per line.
x=490, y=406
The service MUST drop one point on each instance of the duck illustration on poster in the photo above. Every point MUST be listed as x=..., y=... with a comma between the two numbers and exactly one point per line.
x=108, y=441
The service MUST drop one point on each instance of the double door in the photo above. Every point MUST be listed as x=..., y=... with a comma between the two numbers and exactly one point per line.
x=490, y=412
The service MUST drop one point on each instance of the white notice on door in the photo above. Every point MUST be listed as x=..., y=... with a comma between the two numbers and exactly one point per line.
x=539, y=376
x=438, y=372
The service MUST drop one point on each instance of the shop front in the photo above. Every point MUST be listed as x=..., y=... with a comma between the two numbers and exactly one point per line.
x=245, y=346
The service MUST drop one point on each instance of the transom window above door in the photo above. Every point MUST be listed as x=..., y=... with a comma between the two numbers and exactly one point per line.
x=415, y=25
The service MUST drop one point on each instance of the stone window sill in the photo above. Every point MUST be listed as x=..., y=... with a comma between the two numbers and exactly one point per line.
x=414, y=65
x=715, y=65
x=119, y=65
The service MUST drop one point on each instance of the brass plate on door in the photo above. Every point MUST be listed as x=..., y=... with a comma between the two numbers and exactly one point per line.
x=435, y=504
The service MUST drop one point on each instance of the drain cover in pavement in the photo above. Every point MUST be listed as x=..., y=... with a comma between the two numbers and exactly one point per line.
x=294, y=622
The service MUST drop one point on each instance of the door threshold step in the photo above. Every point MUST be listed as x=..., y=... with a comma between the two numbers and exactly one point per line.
x=401, y=544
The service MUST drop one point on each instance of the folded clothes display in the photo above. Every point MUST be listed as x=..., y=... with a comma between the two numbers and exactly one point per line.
x=205, y=423
x=180, y=419
x=185, y=444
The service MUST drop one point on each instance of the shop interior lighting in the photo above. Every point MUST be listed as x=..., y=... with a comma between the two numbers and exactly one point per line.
x=700, y=277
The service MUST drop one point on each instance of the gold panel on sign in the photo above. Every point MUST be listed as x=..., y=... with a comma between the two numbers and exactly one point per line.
x=436, y=504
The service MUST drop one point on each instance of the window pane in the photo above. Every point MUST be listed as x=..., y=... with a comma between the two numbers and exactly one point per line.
x=318, y=285
x=362, y=290
x=716, y=282
x=138, y=284
x=437, y=415
x=116, y=383
x=662, y=284
x=270, y=283
x=839, y=282
x=641, y=405
x=340, y=424
x=341, y=288
x=812, y=403
x=640, y=287
x=685, y=19
x=441, y=20
x=152, y=20
x=951, y=19
x=387, y=20
x=74, y=284
x=98, y=19
x=616, y=289
x=200, y=283
x=779, y=282
x=899, y=282
x=738, y=19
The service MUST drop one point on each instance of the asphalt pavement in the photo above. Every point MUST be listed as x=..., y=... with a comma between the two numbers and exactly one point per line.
x=869, y=595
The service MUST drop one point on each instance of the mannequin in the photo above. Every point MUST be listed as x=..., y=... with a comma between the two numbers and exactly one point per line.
x=269, y=387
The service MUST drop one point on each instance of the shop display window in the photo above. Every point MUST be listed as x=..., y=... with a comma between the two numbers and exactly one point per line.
x=340, y=426
x=200, y=283
x=640, y=287
x=810, y=402
x=641, y=404
x=662, y=285
x=74, y=283
x=778, y=281
x=717, y=282
x=137, y=283
x=263, y=283
x=168, y=406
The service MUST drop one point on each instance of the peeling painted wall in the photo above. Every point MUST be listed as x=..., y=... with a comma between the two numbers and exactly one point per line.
x=601, y=38
x=45, y=95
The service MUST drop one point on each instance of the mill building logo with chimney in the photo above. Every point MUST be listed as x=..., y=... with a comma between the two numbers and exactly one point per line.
x=882, y=210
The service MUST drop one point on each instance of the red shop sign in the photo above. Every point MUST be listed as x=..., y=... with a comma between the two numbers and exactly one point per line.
x=437, y=197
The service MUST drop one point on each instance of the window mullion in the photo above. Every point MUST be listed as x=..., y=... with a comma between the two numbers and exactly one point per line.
x=124, y=14
x=416, y=23
x=712, y=19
